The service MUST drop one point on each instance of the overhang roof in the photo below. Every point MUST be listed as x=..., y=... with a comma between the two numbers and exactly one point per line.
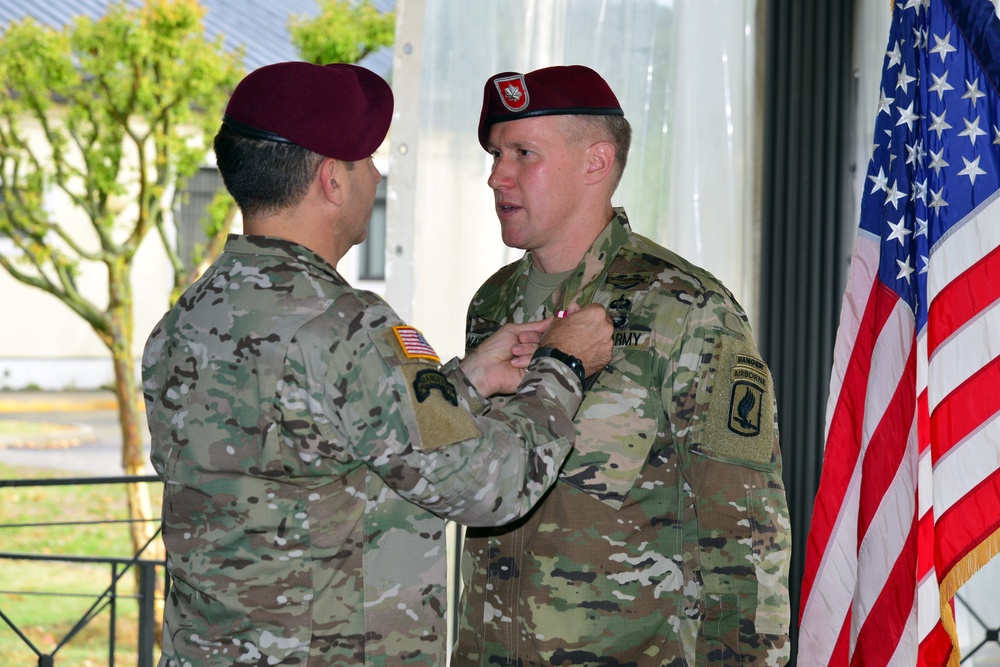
x=259, y=26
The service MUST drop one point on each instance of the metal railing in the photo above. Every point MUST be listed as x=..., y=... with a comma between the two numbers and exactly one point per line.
x=107, y=600
x=992, y=634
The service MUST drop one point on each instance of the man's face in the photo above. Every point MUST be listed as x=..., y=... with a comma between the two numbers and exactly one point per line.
x=537, y=180
x=362, y=181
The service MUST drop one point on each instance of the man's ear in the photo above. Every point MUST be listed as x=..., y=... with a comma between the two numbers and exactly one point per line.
x=601, y=161
x=330, y=174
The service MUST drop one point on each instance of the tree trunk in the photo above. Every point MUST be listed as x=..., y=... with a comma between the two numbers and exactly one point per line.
x=130, y=412
x=144, y=523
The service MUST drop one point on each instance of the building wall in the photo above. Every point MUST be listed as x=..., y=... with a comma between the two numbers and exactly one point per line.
x=688, y=184
x=45, y=345
x=42, y=343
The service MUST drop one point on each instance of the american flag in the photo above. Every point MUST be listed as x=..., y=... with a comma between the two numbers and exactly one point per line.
x=908, y=507
x=414, y=345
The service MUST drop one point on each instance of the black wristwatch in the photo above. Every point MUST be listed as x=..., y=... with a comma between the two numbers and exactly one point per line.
x=574, y=364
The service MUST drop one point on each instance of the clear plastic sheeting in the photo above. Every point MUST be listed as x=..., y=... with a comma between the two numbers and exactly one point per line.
x=684, y=72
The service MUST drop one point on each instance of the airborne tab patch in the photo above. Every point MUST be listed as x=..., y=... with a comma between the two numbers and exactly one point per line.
x=749, y=385
x=414, y=345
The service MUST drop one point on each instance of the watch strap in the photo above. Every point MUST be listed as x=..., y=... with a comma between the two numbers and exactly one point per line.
x=574, y=364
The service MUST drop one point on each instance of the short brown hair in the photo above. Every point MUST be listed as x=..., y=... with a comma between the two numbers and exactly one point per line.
x=264, y=176
x=615, y=129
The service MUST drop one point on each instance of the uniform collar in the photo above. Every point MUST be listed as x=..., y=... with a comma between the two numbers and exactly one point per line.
x=589, y=274
x=280, y=248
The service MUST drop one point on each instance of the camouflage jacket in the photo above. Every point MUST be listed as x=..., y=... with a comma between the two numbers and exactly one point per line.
x=666, y=539
x=309, y=445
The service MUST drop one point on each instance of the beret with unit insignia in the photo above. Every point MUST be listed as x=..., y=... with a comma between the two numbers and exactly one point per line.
x=550, y=91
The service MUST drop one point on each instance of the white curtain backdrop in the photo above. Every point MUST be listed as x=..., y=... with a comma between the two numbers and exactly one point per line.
x=684, y=73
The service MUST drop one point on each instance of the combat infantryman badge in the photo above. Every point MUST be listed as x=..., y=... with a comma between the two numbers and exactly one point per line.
x=513, y=92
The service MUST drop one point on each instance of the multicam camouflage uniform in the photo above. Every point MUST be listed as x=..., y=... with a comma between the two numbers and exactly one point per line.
x=294, y=432
x=666, y=539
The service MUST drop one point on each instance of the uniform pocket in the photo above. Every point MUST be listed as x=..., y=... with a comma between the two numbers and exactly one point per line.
x=616, y=428
x=770, y=523
x=722, y=631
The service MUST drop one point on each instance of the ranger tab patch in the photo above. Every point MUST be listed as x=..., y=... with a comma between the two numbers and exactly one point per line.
x=749, y=385
x=414, y=345
x=429, y=379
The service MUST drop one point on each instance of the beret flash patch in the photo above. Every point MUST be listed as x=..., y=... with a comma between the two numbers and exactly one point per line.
x=513, y=92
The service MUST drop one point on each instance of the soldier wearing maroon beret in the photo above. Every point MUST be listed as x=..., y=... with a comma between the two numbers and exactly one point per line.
x=311, y=444
x=665, y=541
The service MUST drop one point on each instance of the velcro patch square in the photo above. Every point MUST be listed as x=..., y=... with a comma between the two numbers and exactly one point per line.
x=414, y=345
x=738, y=422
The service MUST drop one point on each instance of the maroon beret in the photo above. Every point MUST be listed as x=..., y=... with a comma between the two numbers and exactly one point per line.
x=339, y=111
x=550, y=91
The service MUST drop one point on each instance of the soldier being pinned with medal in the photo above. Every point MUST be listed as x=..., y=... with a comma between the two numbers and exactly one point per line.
x=666, y=539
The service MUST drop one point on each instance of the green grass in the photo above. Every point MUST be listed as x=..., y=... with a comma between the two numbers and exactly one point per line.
x=44, y=619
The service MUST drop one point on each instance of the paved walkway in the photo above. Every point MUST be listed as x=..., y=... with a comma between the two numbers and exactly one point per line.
x=76, y=432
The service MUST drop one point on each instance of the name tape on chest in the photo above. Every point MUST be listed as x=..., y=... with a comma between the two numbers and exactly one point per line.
x=630, y=338
x=473, y=339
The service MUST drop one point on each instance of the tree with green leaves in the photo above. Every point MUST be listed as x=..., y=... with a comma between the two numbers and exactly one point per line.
x=109, y=118
x=344, y=31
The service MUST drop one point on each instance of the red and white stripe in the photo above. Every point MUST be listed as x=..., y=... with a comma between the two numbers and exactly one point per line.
x=911, y=479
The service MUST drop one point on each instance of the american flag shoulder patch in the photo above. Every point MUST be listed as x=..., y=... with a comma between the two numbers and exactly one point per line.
x=414, y=345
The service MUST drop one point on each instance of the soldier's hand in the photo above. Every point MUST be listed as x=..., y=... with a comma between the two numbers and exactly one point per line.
x=497, y=365
x=528, y=338
x=584, y=333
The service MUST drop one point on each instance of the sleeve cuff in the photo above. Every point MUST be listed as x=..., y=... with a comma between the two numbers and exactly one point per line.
x=467, y=393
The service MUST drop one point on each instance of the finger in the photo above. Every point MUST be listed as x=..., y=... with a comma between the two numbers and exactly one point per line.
x=521, y=361
x=524, y=349
x=537, y=325
x=529, y=336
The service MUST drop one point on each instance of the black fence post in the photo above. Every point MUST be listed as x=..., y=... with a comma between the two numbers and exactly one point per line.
x=146, y=595
x=147, y=615
x=113, y=599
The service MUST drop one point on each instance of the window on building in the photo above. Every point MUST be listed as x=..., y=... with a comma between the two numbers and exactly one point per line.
x=373, y=248
x=190, y=215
